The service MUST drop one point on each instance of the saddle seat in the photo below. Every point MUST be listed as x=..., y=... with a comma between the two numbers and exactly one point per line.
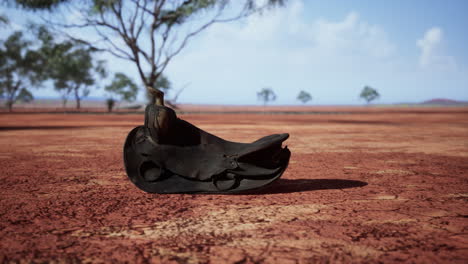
x=170, y=155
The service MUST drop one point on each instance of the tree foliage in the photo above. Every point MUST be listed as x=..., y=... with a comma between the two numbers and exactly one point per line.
x=369, y=94
x=75, y=72
x=149, y=33
x=121, y=87
x=39, y=4
x=20, y=68
x=70, y=65
x=266, y=95
x=304, y=97
x=4, y=20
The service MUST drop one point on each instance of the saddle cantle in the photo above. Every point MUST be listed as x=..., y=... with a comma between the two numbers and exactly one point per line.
x=170, y=155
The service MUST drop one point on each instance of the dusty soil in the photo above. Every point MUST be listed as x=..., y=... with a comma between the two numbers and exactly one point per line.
x=381, y=186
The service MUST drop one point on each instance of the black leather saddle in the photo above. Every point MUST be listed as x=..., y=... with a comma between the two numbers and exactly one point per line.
x=170, y=155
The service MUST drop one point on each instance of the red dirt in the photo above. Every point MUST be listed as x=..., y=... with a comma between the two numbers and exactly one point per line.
x=383, y=186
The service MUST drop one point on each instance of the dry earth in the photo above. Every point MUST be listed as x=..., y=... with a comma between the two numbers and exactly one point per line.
x=382, y=186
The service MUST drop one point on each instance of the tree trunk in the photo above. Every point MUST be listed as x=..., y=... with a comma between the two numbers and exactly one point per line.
x=110, y=105
x=77, y=98
x=11, y=95
x=9, y=105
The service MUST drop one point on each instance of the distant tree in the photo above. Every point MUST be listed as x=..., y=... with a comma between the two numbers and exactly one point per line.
x=20, y=68
x=52, y=53
x=304, y=97
x=75, y=72
x=266, y=95
x=64, y=95
x=148, y=33
x=121, y=87
x=70, y=65
x=369, y=94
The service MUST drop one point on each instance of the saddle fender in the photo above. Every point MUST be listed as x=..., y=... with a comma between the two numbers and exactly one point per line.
x=170, y=155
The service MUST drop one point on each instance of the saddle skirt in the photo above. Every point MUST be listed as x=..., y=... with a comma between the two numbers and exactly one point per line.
x=170, y=155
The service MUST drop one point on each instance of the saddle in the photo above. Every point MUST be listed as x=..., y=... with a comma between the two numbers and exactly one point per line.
x=170, y=155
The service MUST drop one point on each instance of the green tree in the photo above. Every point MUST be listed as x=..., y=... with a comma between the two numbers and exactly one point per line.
x=20, y=68
x=369, y=94
x=52, y=53
x=121, y=87
x=70, y=65
x=304, y=97
x=266, y=95
x=75, y=72
x=39, y=4
x=149, y=33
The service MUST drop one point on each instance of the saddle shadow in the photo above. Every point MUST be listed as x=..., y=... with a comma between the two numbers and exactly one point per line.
x=304, y=185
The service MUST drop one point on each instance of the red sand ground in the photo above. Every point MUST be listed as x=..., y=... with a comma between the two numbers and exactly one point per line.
x=385, y=186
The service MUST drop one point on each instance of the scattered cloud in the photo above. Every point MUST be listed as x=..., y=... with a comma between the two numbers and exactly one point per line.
x=290, y=50
x=286, y=50
x=352, y=35
x=432, y=54
x=288, y=29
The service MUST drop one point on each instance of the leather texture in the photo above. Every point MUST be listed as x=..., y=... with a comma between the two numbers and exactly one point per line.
x=170, y=155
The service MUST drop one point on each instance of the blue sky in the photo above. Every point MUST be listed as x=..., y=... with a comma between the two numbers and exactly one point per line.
x=410, y=51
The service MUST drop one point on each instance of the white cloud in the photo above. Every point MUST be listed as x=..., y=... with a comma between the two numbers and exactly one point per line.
x=281, y=48
x=352, y=36
x=285, y=50
x=289, y=50
x=432, y=54
x=288, y=28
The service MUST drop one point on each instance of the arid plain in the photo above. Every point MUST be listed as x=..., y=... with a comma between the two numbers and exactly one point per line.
x=363, y=185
